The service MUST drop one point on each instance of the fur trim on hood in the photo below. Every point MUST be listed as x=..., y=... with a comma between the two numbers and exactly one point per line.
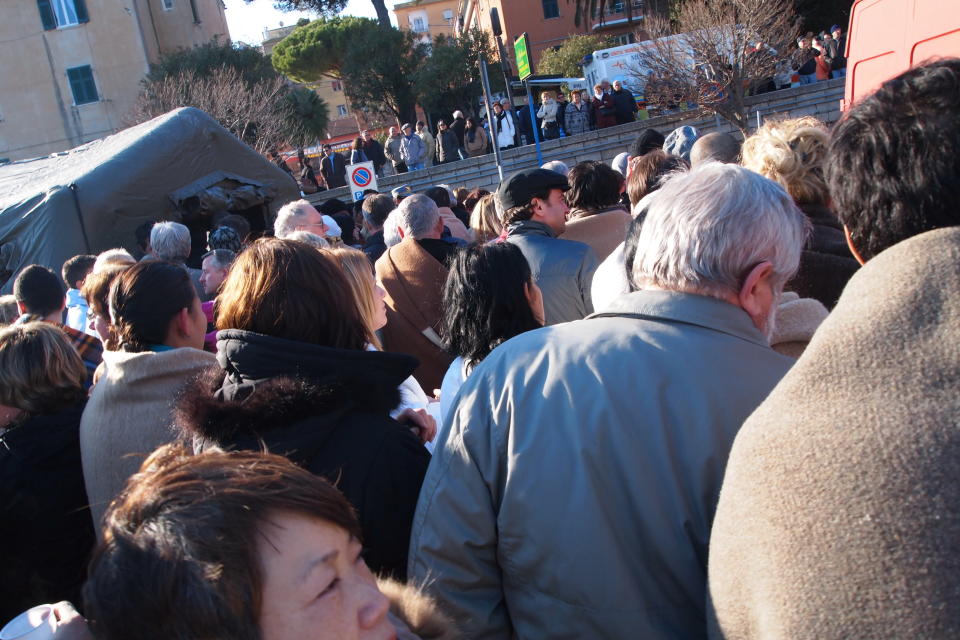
x=275, y=404
x=412, y=607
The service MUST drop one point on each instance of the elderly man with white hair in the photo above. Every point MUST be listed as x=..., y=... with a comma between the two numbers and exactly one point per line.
x=412, y=272
x=171, y=241
x=574, y=492
x=299, y=215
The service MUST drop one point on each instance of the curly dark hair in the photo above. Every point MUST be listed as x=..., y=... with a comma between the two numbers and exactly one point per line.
x=892, y=166
x=485, y=300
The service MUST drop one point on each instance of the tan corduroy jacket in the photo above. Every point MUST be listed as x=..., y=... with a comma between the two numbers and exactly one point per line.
x=839, y=515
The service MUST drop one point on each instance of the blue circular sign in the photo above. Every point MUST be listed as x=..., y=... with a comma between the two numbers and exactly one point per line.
x=362, y=176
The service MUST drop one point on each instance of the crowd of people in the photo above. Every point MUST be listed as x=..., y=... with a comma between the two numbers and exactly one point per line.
x=707, y=389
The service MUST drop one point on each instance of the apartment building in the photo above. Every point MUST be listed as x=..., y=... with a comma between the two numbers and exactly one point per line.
x=549, y=22
x=427, y=18
x=72, y=68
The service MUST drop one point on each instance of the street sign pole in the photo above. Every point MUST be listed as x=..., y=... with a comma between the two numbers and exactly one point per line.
x=521, y=47
x=491, y=118
x=533, y=124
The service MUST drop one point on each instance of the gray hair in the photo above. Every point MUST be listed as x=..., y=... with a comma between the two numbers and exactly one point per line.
x=556, y=166
x=417, y=215
x=222, y=258
x=312, y=239
x=391, y=234
x=170, y=241
x=289, y=217
x=707, y=227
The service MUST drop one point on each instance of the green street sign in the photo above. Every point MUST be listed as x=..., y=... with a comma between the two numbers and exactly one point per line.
x=521, y=47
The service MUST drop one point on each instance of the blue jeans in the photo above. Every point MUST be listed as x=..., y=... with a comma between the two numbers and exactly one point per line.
x=840, y=73
x=414, y=166
x=808, y=79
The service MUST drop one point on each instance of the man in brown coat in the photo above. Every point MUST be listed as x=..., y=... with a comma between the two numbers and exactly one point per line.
x=413, y=274
x=839, y=515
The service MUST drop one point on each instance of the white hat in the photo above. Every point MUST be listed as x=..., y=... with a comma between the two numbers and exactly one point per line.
x=333, y=229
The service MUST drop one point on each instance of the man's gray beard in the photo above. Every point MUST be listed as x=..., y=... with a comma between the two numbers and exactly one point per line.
x=770, y=324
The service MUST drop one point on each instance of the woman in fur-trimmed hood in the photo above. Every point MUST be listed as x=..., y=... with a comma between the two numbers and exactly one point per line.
x=294, y=376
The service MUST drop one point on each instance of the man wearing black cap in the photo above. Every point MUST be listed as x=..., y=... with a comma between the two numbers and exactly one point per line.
x=534, y=212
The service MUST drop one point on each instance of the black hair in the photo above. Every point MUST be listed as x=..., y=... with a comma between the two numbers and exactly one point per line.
x=485, y=300
x=892, y=166
x=142, y=234
x=39, y=289
x=630, y=246
x=144, y=299
x=439, y=195
x=593, y=186
x=332, y=206
x=646, y=141
x=76, y=269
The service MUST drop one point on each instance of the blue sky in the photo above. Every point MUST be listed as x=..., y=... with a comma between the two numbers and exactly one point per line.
x=248, y=20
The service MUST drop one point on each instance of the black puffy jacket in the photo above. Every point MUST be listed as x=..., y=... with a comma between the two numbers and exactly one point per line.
x=328, y=411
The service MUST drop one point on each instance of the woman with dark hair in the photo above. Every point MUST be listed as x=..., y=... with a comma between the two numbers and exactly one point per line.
x=158, y=326
x=489, y=297
x=357, y=154
x=45, y=527
x=295, y=376
x=242, y=545
x=596, y=216
x=474, y=139
x=647, y=172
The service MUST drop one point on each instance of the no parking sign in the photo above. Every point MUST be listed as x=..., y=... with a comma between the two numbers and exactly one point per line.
x=361, y=177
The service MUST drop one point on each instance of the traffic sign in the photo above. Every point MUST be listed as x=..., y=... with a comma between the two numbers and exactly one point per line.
x=521, y=47
x=361, y=176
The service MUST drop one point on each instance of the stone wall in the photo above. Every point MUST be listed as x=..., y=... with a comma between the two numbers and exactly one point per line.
x=821, y=100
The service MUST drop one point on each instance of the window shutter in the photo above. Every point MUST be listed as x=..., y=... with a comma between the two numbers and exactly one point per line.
x=81, y=7
x=47, y=16
x=82, y=85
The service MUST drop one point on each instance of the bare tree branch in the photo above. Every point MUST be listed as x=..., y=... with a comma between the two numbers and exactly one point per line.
x=257, y=113
x=722, y=52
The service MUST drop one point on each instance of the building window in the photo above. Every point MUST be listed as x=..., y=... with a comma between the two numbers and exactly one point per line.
x=336, y=86
x=167, y=5
x=448, y=14
x=625, y=38
x=342, y=110
x=82, y=85
x=550, y=9
x=62, y=13
x=419, y=24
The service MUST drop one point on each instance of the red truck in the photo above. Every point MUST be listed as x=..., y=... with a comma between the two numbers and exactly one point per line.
x=887, y=37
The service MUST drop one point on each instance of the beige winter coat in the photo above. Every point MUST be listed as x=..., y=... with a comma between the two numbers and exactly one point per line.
x=839, y=515
x=128, y=416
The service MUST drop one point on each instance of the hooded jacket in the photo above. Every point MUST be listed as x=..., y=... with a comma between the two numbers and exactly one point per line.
x=326, y=410
x=413, y=280
x=838, y=516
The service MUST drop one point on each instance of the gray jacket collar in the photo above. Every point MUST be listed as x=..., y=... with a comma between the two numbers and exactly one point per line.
x=530, y=228
x=688, y=308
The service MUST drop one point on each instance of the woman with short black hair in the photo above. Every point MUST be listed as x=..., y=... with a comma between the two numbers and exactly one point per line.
x=489, y=297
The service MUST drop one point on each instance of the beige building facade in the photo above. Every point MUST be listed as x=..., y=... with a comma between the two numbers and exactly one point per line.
x=72, y=68
x=427, y=18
